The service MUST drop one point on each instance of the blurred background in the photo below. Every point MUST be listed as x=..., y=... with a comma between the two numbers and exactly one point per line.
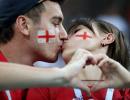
x=116, y=12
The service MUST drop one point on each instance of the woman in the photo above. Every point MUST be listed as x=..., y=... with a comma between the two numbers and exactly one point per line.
x=101, y=39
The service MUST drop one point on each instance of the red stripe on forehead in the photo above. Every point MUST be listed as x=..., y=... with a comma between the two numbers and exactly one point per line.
x=84, y=36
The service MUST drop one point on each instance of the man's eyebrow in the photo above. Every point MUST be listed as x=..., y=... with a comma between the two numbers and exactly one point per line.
x=59, y=18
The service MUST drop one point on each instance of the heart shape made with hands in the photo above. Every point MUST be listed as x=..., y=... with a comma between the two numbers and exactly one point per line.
x=92, y=72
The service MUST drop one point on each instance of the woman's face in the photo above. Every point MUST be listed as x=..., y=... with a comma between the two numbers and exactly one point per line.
x=81, y=37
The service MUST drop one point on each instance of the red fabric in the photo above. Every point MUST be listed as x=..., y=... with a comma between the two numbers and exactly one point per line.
x=3, y=95
x=15, y=95
x=2, y=58
x=63, y=93
x=127, y=94
x=18, y=94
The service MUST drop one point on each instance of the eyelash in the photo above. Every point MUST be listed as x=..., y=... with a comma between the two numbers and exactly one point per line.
x=76, y=30
x=56, y=25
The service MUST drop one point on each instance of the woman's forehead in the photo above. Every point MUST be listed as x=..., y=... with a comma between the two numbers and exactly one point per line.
x=82, y=27
x=77, y=27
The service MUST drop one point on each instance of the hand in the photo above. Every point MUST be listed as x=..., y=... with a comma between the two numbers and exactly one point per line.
x=73, y=68
x=114, y=74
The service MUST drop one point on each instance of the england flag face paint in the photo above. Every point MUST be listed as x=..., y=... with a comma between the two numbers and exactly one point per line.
x=84, y=36
x=45, y=36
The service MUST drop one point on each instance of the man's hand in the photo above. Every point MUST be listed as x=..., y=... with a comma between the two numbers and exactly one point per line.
x=73, y=68
x=114, y=74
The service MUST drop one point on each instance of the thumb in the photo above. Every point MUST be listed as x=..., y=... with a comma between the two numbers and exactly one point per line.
x=100, y=85
x=84, y=87
x=100, y=57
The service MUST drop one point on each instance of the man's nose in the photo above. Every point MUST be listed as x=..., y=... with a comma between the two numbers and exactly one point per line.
x=63, y=34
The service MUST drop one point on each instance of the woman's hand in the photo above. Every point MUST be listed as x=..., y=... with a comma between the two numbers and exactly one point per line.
x=114, y=74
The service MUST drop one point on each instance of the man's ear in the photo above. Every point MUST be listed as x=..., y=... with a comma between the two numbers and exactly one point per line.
x=22, y=24
x=107, y=39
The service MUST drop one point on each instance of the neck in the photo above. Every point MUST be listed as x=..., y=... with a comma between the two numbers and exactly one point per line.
x=17, y=52
x=102, y=50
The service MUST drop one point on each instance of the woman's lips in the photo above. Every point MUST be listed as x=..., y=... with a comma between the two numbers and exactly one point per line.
x=61, y=48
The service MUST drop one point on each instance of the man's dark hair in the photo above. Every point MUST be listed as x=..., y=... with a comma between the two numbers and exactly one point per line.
x=59, y=1
x=35, y=12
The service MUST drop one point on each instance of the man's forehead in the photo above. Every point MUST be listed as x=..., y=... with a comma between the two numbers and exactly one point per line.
x=51, y=4
x=53, y=8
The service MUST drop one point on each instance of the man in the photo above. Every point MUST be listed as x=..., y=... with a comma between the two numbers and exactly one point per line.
x=32, y=30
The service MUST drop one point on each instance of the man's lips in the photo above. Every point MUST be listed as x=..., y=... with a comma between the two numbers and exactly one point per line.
x=61, y=45
x=61, y=48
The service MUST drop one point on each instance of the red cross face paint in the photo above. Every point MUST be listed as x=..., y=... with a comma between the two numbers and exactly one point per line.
x=84, y=36
x=45, y=36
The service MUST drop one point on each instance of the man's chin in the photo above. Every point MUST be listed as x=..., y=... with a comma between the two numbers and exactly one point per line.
x=53, y=59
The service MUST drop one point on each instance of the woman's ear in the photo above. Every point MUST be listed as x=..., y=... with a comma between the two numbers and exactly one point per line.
x=108, y=39
x=22, y=24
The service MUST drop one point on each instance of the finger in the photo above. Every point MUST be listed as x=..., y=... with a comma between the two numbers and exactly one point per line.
x=100, y=57
x=82, y=56
x=91, y=60
x=100, y=85
x=104, y=66
x=83, y=86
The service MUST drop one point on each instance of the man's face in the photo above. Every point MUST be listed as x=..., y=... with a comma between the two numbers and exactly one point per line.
x=48, y=34
x=82, y=37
